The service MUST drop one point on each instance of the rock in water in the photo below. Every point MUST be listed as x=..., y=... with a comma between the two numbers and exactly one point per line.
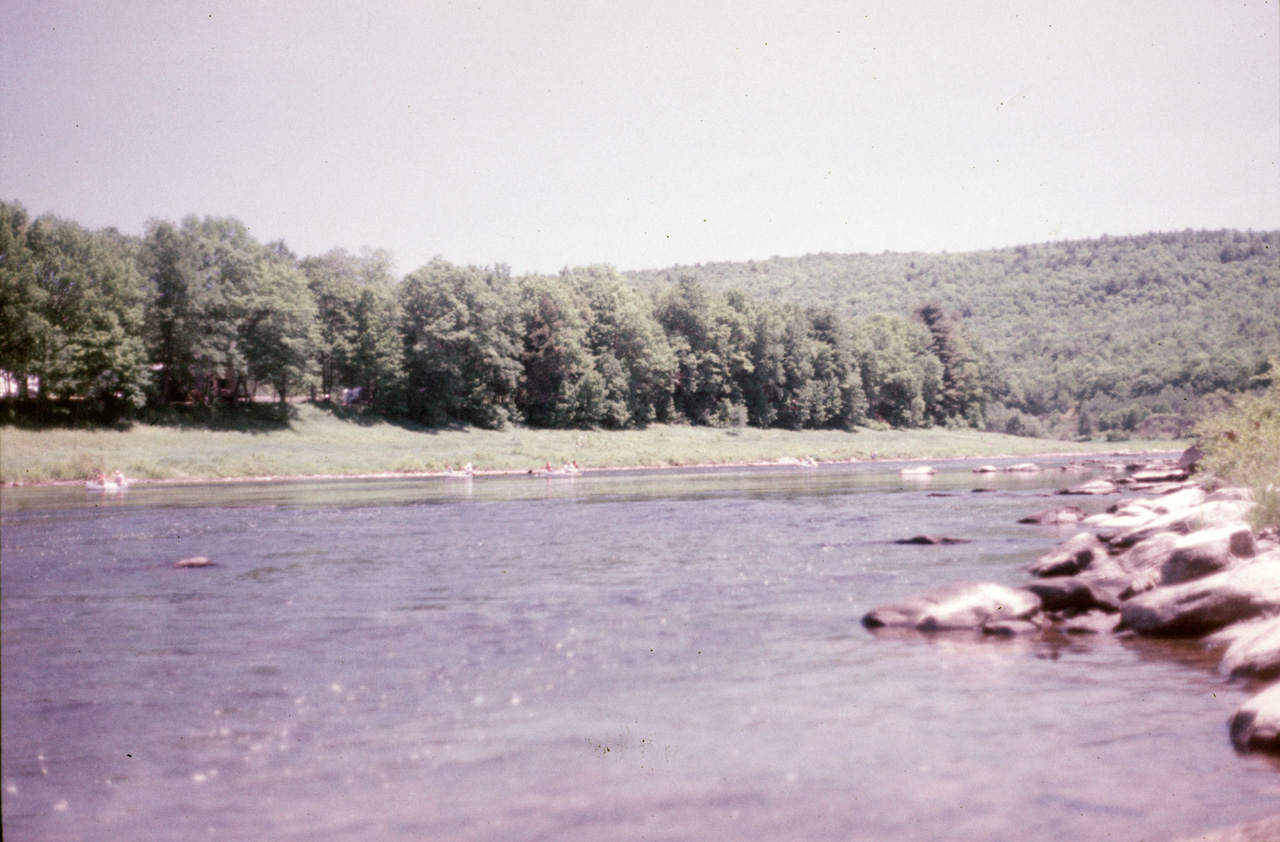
x=1255, y=651
x=959, y=606
x=1071, y=557
x=1206, y=552
x=1205, y=605
x=1096, y=486
x=932, y=539
x=1256, y=725
x=1064, y=514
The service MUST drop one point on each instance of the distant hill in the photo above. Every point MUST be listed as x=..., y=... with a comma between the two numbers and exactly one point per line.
x=1115, y=329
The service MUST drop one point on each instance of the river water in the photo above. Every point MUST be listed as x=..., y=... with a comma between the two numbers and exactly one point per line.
x=638, y=655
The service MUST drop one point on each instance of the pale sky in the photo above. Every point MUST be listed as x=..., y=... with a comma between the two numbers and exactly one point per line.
x=647, y=133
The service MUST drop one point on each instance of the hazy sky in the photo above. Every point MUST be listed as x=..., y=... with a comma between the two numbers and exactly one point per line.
x=643, y=134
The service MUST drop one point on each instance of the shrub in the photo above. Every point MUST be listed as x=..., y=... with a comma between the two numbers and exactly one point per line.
x=1242, y=447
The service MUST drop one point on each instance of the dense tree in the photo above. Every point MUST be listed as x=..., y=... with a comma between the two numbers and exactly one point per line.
x=900, y=376
x=1048, y=313
x=226, y=312
x=710, y=339
x=461, y=345
x=556, y=386
x=23, y=322
x=633, y=357
x=837, y=368
x=357, y=343
x=1113, y=336
x=78, y=315
x=962, y=391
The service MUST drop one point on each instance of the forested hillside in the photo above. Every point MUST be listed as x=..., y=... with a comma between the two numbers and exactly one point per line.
x=1073, y=339
x=1086, y=336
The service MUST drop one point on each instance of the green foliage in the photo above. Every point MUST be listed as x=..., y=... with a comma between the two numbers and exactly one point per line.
x=1242, y=447
x=357, y=341
x=632, y=354
x=899, y=374
x=1112, y=338
x=72, y=310
x=225, y=312
x=462, y=345
x=1155, y=319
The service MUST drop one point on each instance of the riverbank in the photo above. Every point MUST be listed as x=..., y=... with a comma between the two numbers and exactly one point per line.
x=315, y=443
x=1175, y=561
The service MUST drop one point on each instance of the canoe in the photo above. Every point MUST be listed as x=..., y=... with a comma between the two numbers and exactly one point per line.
x=105, y=487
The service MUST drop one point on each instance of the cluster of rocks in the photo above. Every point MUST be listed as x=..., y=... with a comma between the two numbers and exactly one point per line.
x=1181, y=563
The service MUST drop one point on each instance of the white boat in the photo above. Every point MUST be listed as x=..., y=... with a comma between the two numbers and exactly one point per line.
x=106, y=487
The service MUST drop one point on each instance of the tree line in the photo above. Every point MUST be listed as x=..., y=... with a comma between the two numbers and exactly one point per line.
x=1108, y=336
x=200, y=311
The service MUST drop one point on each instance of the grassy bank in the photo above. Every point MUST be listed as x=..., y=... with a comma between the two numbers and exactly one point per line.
x=313, y=442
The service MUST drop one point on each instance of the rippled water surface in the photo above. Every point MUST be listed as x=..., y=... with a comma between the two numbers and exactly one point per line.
x=614, y=656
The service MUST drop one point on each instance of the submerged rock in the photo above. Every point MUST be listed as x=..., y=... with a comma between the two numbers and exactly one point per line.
x=1205, y=605
x=959, y=606
x=1256, y=725
x=932, y=539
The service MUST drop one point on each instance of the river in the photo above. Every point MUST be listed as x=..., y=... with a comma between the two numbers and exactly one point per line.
x=616, y=656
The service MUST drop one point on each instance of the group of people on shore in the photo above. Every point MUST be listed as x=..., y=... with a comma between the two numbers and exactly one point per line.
x=116, y=479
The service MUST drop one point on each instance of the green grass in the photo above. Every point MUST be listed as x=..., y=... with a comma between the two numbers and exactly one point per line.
x=313, y=441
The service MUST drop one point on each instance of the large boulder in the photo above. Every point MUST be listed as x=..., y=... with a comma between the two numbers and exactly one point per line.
x=1254, y=650
x=1178, y=500
x=1110, y=524
x=1072, y=595
x=1183, y=521
x=958, y=606
x=1205, y=605
x=1206, y=552
x=1160, y=473
x=1142, y=565
x=1060, y=515
x=1256, y=725
x=1230, y=493
x=1092, y=487
x=1070, y=557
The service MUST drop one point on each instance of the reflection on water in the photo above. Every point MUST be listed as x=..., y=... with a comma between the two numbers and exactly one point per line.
x=620, y=656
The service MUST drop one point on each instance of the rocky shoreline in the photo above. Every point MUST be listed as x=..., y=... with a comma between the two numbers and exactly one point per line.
x=1171, y=559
